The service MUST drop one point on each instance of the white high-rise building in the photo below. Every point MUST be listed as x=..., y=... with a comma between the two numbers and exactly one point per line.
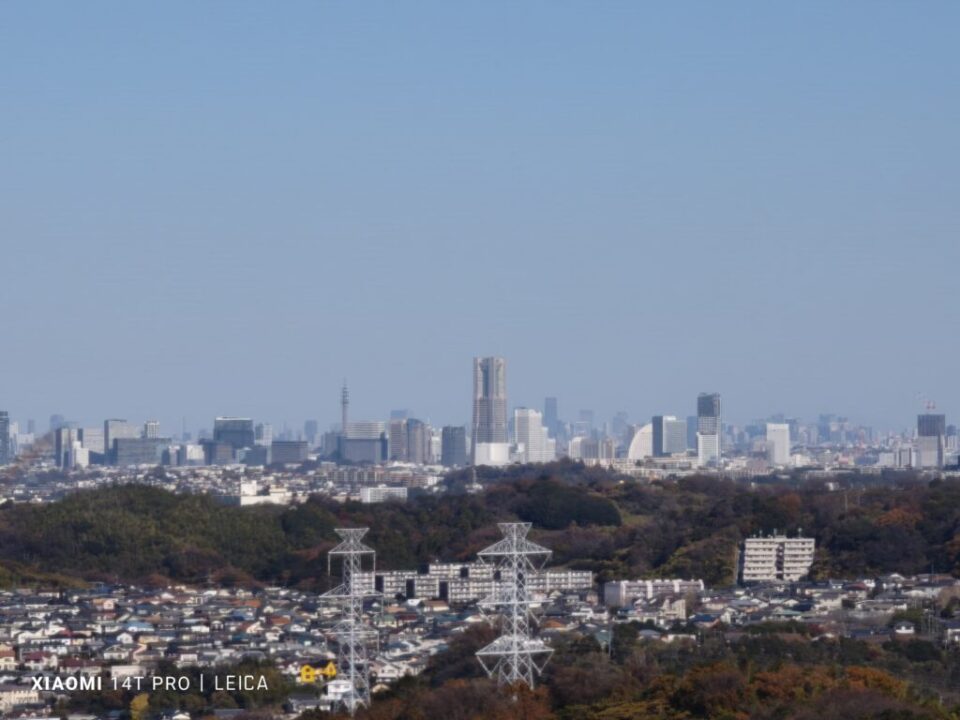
x=709, y=429
x=531, y=438
x=778, y=443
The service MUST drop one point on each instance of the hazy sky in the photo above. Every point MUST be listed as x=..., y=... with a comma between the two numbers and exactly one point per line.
x=226, y=207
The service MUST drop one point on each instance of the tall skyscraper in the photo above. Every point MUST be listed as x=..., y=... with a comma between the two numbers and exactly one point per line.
x=551, y=418
x=5, y=438
x=669, y=435
x=709, y=428
x=491, y=446
x=398, y=439
x=778, y=443
x=151, y=429
x=453, y=447
x=418, y=441
x=931, y=440
x=533, y=443
x=263, y=434
x=310, y=430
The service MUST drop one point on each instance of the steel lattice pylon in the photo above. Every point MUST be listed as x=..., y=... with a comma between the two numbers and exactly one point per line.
x=514, y=656
x=353, y=635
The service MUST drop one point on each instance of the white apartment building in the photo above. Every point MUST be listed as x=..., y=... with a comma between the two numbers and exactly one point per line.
x=776, y=557
x=382, y=493
x=620, y=593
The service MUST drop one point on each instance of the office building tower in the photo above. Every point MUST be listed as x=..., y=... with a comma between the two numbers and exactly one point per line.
x=289, y=451
x=139, y=450
x=365, y=442
x=398, y=439
x=113, y=430
x=490, y=443
x=63, y=439
x=263, y=434
x=551, y=417
x=418, y=441
x=669, y=435
x=691, y=432
x=931, y=440
x=778, y=443
x=94, y=441
x=310, y=431
x=453, y=446
x=234, y=431
x=5, y=455
x=533, y=442
x=709, y=429
x=151, y=429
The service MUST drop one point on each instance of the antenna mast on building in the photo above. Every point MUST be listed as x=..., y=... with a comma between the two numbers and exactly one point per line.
x=352, y=635
x=514, y=656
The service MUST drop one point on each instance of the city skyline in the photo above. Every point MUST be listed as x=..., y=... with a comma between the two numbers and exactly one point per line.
x=630, y=202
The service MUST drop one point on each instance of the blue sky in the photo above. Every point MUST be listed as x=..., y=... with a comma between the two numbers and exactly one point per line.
x=226, y=207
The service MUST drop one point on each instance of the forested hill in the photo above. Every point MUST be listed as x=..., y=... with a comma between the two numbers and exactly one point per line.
x=591, y=519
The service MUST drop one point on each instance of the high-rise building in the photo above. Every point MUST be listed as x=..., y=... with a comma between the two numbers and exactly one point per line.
x=418, y=441
x=139, y=450
x=534, y=445
x=263, y=434
x=778, y=443
x=234, y=431
x=151, y=429
x=669, y=435
x=365, y=442
x=5, y=455
x=113, y=430
x=310, y=430
x=551, y=417
x=93, y=440
x=931, y=440
x=491, y=446
x=709, y=429
x=398, y=439
x=777, y=557
x=453, y=451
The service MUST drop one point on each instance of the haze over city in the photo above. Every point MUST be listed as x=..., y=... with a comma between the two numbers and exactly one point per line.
x=229, y=209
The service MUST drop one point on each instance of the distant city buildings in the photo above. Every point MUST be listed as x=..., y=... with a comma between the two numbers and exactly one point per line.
x=236, y=432
x=709, y=429
x=490, y=444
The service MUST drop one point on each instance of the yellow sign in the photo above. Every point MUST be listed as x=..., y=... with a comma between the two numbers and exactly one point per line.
x=309, y=674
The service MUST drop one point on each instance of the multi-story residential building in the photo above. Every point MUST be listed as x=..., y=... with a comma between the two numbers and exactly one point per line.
x=776, y=557
x=382, y=493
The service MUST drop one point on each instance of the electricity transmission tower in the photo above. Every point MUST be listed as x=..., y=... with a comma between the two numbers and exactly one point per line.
x=514, y=656
x=353, y=636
